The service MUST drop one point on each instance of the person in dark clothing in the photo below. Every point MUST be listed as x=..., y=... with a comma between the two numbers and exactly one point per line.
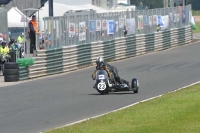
x=125, y=31
x=32, y=33
x=11, y=42
x=113, y=70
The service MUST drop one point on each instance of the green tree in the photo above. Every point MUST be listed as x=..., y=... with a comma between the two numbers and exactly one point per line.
x=195, y=4
x=151, y=4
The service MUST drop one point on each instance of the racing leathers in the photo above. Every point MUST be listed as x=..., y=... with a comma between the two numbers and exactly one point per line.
x=116, y=75
x=105, y=68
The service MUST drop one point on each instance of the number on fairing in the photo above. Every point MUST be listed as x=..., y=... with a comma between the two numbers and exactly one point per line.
x=101, y=86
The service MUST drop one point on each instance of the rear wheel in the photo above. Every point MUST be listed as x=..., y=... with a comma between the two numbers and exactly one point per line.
x=135, y=85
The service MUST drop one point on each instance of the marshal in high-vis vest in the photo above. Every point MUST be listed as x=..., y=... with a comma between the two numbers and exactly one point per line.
x=33, y=30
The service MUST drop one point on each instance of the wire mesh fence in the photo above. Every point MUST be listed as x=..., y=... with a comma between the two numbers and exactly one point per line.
x=75, y=28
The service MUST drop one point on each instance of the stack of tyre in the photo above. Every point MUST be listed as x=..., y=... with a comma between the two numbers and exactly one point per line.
x=11, y=72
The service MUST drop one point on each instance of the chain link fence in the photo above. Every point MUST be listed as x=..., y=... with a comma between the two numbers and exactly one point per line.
x=75, y=28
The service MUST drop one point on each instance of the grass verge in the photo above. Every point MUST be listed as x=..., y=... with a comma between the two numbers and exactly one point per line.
x=198, y=30
x=195, y=13
x=177, y=112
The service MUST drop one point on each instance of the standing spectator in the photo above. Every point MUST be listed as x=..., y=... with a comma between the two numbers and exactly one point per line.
x=140, y=6
x=15, y=48
x=33, y=27
x=125, y=31
x=174, y=4
x=158, y=28
x=20, y=38
x=11, y=42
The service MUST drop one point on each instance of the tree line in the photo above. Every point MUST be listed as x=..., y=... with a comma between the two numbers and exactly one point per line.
x=151, y=4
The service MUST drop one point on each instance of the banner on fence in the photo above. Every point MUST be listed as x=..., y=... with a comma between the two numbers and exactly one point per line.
x=130, y=26
x=140, y=22
x=104, y=24
x=146, y=20
x=154, y=19
x=82, y=31
x=110, y=27
x=160, y=21
x=165, y=20
x=72, y=29
x=92, y=25
x=98, y=25
x=121, y=23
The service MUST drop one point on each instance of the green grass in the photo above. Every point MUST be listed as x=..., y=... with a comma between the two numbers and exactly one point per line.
x=198, y=26
x=177, y=112
x=196, y=13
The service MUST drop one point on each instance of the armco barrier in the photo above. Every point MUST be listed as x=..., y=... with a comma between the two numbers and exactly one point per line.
x=75, y=57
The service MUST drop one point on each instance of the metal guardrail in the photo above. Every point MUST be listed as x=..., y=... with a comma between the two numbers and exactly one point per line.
x=70, y=58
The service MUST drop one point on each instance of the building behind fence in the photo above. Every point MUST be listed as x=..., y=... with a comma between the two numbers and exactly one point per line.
x=75, y=28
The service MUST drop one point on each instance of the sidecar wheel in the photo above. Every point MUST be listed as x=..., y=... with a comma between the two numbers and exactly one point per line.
x=135, y=85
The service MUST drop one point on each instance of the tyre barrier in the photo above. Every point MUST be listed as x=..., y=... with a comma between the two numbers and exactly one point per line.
x=11, y=72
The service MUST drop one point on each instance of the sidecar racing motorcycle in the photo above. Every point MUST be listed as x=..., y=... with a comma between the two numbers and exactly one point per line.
x=103, y=84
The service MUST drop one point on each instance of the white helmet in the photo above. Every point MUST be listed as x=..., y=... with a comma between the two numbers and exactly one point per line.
x=99, y=59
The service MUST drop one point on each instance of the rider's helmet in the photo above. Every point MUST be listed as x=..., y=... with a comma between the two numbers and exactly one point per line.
x=3, y=44
x=99, y=59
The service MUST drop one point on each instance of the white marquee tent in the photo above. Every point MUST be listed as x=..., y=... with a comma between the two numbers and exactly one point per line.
x=61, y=9
x=16, y=18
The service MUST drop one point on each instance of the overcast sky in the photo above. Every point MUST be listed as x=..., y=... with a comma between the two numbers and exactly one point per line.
x=73, y=2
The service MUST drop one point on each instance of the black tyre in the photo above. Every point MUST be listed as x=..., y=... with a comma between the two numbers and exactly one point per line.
x=11, y=78
x=10, y=65
x=11, y=72
x=135, y=85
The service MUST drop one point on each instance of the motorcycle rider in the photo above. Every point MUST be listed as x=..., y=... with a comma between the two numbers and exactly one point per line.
x=99, y=66
x=112, y=70
x=4, y=50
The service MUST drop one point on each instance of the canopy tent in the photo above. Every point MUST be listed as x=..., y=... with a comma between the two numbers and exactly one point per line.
x=16, y=18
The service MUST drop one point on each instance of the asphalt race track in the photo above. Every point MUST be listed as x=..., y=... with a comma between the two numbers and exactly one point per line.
x=42, y=104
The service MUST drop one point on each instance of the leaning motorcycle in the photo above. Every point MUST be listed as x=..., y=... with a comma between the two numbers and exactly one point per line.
x=103, y=84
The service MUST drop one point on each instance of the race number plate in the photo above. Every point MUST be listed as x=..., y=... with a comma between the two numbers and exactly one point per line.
x=101, y=86
x=101, y=77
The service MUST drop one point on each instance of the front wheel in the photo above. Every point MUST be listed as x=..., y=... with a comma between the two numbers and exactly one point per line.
x=135, y=85
x=102, y=88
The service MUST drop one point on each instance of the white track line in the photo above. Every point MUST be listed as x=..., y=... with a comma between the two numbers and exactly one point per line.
x=125, y=106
